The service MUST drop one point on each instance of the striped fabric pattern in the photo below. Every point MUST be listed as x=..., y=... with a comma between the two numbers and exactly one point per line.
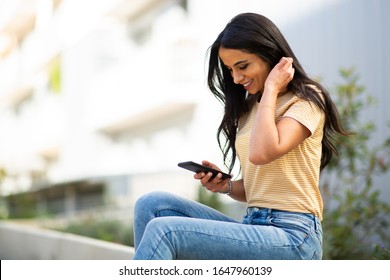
x=290, y=182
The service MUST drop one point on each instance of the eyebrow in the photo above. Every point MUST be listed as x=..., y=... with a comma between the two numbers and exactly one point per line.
x=235, y=64
x=240, y=61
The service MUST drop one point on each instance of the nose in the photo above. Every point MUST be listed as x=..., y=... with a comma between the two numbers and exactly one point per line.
x=237, y=77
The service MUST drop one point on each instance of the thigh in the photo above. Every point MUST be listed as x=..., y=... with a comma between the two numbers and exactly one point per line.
x=161, y=204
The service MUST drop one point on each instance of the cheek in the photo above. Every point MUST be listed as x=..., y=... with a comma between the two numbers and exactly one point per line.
x=261, y=78
x=264, y=75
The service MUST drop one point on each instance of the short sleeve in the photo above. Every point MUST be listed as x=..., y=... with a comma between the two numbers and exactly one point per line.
x=307, y=113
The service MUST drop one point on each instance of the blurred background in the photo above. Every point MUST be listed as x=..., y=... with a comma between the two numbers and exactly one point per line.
x=99, y=101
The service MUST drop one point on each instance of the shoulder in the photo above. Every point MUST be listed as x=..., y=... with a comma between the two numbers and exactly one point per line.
x=304, y=111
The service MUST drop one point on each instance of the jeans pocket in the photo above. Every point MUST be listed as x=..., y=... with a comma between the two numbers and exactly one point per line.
x=296, y=228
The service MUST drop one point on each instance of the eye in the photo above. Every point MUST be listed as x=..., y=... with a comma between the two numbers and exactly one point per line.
x=243, y=67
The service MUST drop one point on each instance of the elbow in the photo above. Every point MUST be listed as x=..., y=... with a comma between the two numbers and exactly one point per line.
x=260, y=158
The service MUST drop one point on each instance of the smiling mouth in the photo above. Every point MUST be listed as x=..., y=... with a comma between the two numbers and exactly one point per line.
x=247, y=84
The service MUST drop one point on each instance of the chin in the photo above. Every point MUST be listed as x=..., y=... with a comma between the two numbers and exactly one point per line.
x=254, y=92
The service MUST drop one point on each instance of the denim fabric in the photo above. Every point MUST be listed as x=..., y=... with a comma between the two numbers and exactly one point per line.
x=170, y=227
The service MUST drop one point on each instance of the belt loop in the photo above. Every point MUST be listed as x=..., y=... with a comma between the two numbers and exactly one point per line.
x=315, y=222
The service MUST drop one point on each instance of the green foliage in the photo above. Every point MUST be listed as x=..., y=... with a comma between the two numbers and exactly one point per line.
x=3, y=174
x=22, y=206
x=356, y=221
x=210, y=199
x=55, y=76
x=3, y=206
x=107, y=230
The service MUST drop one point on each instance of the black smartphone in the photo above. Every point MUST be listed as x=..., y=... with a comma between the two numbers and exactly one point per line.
x=196, y=167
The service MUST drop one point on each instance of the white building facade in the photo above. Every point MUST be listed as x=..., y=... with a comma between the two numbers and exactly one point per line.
x=113, y=92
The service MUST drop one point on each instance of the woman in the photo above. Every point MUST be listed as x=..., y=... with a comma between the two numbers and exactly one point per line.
x=279, y=123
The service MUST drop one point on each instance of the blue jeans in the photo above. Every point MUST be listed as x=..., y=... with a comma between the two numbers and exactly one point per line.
x=169, y=227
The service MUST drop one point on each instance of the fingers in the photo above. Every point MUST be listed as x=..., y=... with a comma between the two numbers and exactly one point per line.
x=210, y=180
x=214, y=184
x=281, y=74
x=211, y=183
x=209, y=164
x=286, y=61
x=286, y=65
x=289, y=66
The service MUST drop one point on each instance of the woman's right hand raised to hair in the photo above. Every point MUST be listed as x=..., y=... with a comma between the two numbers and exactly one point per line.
x=280, y=76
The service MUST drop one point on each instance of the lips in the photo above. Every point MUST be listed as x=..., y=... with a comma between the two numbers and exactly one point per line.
x=247, y=84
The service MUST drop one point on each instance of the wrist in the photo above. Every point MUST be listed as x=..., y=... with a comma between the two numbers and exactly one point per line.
x=230, y=188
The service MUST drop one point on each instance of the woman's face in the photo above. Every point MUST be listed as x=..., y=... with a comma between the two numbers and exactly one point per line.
x=247, y=69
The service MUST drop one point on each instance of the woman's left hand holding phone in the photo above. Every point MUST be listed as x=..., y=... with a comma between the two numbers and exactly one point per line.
x=215, y=184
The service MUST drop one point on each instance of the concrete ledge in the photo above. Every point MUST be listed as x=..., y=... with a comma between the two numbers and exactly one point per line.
x=22, y=242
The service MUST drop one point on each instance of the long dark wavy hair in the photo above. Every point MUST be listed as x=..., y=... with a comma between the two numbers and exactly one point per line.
x=256, y=34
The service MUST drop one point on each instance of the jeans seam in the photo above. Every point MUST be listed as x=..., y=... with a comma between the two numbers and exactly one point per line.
x=233, y=239
x=159, y=242
x=172, y=209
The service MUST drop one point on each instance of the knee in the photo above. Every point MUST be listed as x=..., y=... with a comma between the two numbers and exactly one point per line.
x=150, y=200
x=162, y=226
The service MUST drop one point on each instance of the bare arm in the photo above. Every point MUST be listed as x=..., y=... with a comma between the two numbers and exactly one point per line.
x=238, y=191
x=269, y=140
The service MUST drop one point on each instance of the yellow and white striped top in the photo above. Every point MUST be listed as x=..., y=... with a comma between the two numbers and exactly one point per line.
x=289, y=183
